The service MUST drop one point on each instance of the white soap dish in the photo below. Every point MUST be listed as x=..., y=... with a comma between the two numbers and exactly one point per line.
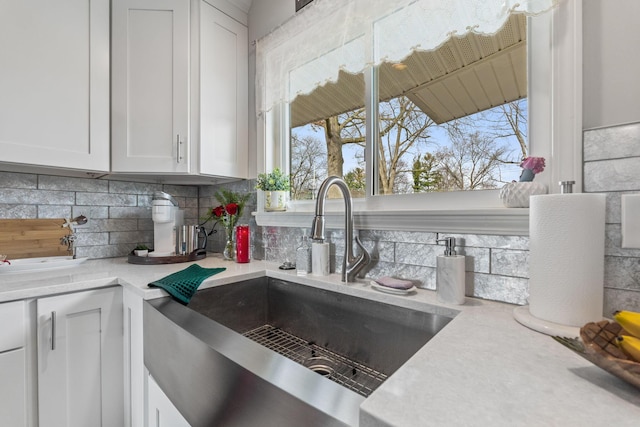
x=375, y=285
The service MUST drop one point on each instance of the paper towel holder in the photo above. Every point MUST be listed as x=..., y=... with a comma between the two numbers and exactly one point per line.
x=564, y=296
x=524, y=317
x=566, y=187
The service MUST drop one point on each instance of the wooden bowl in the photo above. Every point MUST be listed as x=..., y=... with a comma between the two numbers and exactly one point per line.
x=600, y=349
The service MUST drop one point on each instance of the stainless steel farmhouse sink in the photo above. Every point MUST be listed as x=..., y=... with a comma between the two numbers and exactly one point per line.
x=273, y=353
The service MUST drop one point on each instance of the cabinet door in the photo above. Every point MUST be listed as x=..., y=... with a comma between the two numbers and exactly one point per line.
x=135, y=374
x=13, y=330
x=223, y=94
x=162, y=413
x=150, y=86
x=54, y=83
x=13, y=388
x=80, y=359
x=13, y=374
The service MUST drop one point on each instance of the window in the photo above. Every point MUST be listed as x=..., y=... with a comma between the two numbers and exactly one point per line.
x=449, y=119
x=328, y=137
x=553, y=88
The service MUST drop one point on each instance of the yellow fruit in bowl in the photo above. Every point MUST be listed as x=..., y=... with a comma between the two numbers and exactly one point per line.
x=630, y=345
x=629, y=320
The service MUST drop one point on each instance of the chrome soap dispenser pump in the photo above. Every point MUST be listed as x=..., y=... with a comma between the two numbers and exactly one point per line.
x=450, y=273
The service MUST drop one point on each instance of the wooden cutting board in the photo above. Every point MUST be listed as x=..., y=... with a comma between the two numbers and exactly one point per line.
x=32, y=238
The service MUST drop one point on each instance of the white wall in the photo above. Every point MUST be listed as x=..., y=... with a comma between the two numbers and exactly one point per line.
x=264, y=16
x=611, y=71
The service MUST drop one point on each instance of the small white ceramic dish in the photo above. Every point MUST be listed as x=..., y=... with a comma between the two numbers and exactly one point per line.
x=26, y=265
x=375, y=285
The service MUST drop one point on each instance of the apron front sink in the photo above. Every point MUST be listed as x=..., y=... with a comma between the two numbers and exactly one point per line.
x=274, y=353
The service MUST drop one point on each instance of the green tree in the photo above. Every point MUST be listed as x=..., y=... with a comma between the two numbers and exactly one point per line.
x=356, y=181
x=426, y=176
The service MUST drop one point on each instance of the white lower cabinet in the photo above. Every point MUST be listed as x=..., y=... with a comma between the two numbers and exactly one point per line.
x=135, y=374
x=146, y=405
x=13, y=360
x=162, y=413
x=80, y=380
x=13, y=388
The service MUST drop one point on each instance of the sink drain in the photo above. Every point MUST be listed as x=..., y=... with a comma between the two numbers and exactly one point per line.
x=320, y=365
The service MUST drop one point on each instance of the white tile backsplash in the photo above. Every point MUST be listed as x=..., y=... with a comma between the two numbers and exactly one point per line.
x=611, y=175
x=119, y=212
x=497, y=266
x=616, y=142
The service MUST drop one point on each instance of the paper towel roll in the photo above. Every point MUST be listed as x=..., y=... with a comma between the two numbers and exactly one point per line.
x=566, y=259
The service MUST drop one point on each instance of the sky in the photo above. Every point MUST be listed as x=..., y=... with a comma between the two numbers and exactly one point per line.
x=438, y=137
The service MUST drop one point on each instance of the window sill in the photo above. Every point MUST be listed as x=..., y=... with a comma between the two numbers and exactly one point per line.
x=492, y=221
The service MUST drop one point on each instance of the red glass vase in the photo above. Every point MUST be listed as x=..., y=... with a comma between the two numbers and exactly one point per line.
x=242, y=243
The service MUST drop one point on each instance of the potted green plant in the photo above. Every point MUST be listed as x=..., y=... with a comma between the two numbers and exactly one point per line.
x=141, y=250
x=275, y=186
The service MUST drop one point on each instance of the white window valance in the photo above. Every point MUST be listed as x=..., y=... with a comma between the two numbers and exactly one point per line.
x=327, y=36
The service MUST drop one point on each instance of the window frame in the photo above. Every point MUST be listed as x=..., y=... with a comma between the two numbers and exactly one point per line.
x=554, y=58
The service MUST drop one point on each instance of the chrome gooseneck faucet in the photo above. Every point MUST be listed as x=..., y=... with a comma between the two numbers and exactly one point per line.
x=351, y=265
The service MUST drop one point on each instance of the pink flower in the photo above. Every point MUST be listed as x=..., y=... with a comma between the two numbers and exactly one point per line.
x=535, y=164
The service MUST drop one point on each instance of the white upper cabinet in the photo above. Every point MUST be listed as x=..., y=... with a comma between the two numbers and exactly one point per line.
x=223, y=94
x=179, y=89
x=150, y=93
x=54, y=83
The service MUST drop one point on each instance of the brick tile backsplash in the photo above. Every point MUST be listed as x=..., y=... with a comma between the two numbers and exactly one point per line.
x=119, y=212
x=49, y=182
x=497, y=267
x=19, y=196
x=615, y=142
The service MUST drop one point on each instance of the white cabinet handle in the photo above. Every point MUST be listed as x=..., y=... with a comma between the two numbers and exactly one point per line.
x=178, y=151
x=53, y=330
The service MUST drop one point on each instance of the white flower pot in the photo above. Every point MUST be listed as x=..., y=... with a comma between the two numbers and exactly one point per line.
x=275, y=201
x=516, y=194
x=141, y=252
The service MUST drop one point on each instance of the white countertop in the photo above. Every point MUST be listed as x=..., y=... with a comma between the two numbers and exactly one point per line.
x=482, y=369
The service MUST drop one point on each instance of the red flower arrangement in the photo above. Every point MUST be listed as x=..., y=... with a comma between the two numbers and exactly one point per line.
x=227, y=213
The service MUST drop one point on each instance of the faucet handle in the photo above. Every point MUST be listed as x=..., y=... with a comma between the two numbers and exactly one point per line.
x=363, y=261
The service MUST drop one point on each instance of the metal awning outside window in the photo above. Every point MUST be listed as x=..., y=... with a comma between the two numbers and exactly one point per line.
x=463, y=76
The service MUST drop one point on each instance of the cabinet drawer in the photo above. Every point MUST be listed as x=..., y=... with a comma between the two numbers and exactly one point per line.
x=12, y=325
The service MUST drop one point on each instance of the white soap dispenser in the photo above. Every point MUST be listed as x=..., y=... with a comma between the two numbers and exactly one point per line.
x=450, y=274
x=303, y=258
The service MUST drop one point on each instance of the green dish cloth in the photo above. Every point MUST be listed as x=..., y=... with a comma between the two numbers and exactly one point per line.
x=183, y=284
